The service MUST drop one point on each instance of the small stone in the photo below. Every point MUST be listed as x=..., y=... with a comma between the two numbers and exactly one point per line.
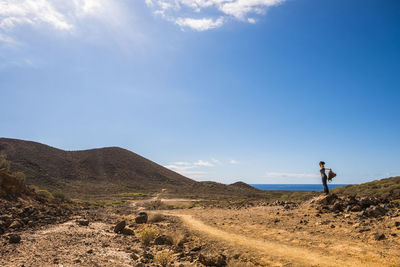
x=90, y=251
x=141, y=218
x=397, y=224
x=333, y=226
x=127, y=231
x=134, y=256
x=379, y=236
x=83, y=222
x=119, y=226
x=14, y=238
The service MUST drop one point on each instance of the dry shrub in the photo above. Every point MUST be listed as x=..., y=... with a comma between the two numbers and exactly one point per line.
x=163, y=258
x=157, y=217
x=148, y=235
x=237, y=263
x=177, y=238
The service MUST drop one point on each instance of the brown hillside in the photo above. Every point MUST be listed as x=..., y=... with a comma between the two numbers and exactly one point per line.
x=98, y=171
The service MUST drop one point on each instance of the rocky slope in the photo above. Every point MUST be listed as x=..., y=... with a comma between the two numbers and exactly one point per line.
x=101, y=171
x=21, y=208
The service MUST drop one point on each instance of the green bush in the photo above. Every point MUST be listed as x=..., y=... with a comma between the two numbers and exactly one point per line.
x=148, y=235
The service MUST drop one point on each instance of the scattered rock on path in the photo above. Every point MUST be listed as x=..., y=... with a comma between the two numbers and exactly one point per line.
x=127, y=231
x=379, y=236
x=213, y=260
x=83, y=222
x=119, y=226
x=14, y=238
x=141, y=218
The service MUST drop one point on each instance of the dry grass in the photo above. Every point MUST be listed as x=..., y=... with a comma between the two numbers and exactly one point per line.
x=177, y=238
x=148, y=235
x=163, y=258
x=156, y=217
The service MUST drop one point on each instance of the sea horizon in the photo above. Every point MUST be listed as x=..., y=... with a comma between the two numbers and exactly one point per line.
x=294, y=187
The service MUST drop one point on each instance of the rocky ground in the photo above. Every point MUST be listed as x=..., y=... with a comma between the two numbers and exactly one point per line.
x=325, y=231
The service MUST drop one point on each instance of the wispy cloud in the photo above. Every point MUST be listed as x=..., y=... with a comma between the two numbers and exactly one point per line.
x=291, y=175
x=197, y=13
x=61, y=16
x=191, y=169
x=232, y=161
x=203, y=163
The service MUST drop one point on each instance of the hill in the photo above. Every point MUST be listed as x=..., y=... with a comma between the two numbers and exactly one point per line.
x=388, y=188
x=102, y=171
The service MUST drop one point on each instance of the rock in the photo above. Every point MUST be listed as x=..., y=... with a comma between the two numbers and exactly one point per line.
x=148, y=255
x=337, y=207
x=197, y=248
x=83, y=222
x=15, y=224
x=163, y=240
x=14, y=238
x=276, y=220
x=364, y=230
x=374, y=211
x=90, y=251
x=119, y=226
x=366, y=202
x=134, y=256
x=355, y=208
x=141, y=218
x=127, y=231
x=213, y=260
x=333, y=226
x=328, y=200
x=379, y=236
x=397, y=224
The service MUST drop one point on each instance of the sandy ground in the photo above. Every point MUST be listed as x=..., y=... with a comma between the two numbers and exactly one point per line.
x=298, y=237
x=256, y=236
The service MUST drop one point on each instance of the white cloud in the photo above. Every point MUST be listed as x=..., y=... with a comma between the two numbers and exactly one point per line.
x=291, y=175
x=190, y=169
x=216, y=161
x=203, y=163
x=200, y=24
x=199, y=10
x=232, y=161
x=61, y=16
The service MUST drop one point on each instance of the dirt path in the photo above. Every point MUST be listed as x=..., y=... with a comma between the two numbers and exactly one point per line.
x=277, y=251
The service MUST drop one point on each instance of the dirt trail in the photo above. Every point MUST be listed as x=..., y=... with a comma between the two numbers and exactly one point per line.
x=296, y=255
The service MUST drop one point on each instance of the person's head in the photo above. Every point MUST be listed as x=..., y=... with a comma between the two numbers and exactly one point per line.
x=321, y=164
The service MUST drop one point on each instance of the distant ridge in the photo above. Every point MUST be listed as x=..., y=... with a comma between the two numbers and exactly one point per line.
x=109, y=170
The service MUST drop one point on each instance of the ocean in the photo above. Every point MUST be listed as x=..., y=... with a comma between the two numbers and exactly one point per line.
x=295, y=187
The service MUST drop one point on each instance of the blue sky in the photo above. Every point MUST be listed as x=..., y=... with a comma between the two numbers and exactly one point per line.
x=224, y=90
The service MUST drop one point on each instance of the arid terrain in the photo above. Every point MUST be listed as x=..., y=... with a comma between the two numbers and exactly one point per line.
x=186, y=223
x=318, y=232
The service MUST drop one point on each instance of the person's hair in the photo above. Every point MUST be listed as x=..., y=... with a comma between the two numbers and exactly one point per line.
x=322, y=162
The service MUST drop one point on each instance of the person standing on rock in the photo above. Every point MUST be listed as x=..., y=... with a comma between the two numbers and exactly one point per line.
x=324, y=177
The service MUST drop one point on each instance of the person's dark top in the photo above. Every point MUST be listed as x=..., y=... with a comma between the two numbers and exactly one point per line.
x=322, y=170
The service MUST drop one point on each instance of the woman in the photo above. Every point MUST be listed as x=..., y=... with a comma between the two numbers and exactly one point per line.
x=323, y=176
